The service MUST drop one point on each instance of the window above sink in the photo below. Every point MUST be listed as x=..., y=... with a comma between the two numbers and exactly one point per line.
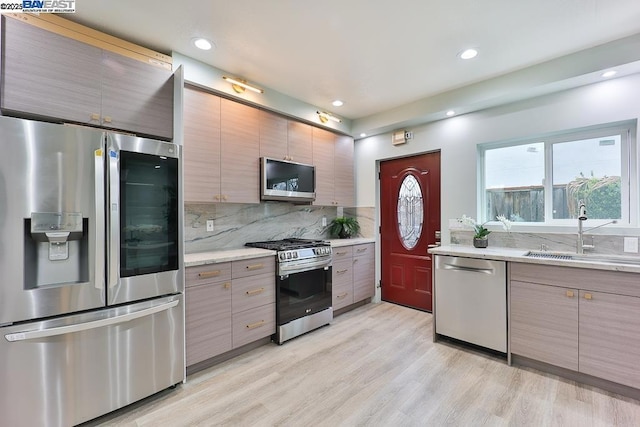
x=539, y=180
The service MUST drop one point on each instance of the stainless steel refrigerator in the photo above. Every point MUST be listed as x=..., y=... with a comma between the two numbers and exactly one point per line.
x=91, y=271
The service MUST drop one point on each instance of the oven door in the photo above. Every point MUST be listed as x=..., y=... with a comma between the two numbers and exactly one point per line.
x=302, y=294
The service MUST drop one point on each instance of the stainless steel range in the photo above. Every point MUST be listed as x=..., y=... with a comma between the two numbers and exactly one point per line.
x=303, y=285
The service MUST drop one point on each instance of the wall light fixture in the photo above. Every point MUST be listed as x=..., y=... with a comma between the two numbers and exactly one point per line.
x=240, y=85
x=325, y=117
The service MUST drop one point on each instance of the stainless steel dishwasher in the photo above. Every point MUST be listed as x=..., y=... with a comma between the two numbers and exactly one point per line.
x=470, y=301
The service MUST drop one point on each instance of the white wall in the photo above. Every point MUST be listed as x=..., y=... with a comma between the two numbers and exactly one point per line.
x=457, y=138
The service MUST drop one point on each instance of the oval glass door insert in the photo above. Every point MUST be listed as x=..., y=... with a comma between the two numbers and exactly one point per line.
x=410, y=211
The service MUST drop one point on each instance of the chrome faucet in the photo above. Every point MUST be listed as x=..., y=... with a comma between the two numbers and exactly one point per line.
x=582, y=216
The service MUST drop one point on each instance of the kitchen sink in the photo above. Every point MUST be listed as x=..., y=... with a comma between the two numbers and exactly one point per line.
x=608, y=259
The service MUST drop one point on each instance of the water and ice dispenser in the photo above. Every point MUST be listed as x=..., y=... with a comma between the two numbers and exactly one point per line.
x=58, y=249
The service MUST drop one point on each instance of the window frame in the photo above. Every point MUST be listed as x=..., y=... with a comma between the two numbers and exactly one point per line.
x=629, y=171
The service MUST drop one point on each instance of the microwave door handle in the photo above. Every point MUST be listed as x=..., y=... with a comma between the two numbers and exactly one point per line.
x=99, y=231
x=114, y=219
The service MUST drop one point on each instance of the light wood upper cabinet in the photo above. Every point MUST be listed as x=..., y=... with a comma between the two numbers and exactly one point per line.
x=324, y=161
x=343, y=172
x=201, y=151
x=240, y=152
x=284, y=139
x=50, y=76
x=333, y=158
x=136, y=97
x=299, y=142
x=273, y=136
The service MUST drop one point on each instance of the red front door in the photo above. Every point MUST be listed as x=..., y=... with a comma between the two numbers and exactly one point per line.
x=409, y=217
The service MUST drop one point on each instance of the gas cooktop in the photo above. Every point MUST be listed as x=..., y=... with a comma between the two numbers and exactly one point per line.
x=288, y=244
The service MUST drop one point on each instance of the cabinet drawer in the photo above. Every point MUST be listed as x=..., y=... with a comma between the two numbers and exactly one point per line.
x=208, y=273
x=253, y=266
x=251, y=325
x=342, y=252
x=253, y=291
x=342, y=295
x=342, y=272
x=364, y=249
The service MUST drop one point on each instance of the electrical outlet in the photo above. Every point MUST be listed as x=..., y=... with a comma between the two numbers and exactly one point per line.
x=209, y=225
x=631, y=245
x=324, y=221
x=408, y=135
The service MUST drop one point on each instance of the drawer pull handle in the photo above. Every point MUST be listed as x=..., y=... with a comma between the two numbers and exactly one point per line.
x=341, y=253
x=227, y=285
x=255, y=291
x=570, y=294
x=208, y=274
x=588, y=296
x=362, y=249
x=342, y=295
x=255, y=267
x=341, y=271
x=255, y=325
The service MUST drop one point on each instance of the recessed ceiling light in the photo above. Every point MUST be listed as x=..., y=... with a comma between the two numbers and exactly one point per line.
x=362, y=135
x=450, y=113
x=203, y=44
x=468, y=54
x=609, y=73
x=337, y=103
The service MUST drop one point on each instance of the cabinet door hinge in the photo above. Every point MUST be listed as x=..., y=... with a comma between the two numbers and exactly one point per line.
x=380, y=229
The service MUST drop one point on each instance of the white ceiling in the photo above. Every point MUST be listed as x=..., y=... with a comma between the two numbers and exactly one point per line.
x=375, y=55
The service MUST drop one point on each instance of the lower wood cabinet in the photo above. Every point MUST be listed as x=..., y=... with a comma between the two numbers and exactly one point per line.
x=353, y=277
x=610, y=337
x=579, y=319
x=228, y=305
x=544, y=323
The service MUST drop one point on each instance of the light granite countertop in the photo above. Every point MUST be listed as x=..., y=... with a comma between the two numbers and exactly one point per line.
x=213, y=257
x=203, y=258
x=336, y=243
x=629, y=264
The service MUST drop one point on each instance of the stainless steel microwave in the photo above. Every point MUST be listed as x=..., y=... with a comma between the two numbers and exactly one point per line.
x=287, y=181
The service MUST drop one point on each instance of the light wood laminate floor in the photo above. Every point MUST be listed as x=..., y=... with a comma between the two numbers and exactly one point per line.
x=375, y=366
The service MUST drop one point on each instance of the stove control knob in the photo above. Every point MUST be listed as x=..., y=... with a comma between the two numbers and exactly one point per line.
x=295, y=255
x=282, y=255
x=288, y=255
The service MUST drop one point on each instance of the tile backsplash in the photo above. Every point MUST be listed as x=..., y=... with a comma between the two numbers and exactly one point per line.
x=236, y=224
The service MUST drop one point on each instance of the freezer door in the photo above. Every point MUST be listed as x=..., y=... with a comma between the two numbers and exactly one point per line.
x=145, y=219
x=69, y=370
x=51, y=219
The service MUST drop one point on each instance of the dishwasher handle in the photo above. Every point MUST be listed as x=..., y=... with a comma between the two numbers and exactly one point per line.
x=454, y=267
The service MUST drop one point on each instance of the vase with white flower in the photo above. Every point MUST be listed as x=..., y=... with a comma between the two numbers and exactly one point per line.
x=481, y=233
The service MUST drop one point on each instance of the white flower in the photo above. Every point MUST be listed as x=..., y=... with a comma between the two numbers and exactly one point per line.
x=468, y=221
x=506, y=224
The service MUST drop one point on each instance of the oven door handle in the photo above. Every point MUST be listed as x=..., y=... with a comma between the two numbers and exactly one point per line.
x=302, y=269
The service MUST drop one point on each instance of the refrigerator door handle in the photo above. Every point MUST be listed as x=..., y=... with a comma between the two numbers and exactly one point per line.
x=113, y=239
x=62, y=330
x=100, y=219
